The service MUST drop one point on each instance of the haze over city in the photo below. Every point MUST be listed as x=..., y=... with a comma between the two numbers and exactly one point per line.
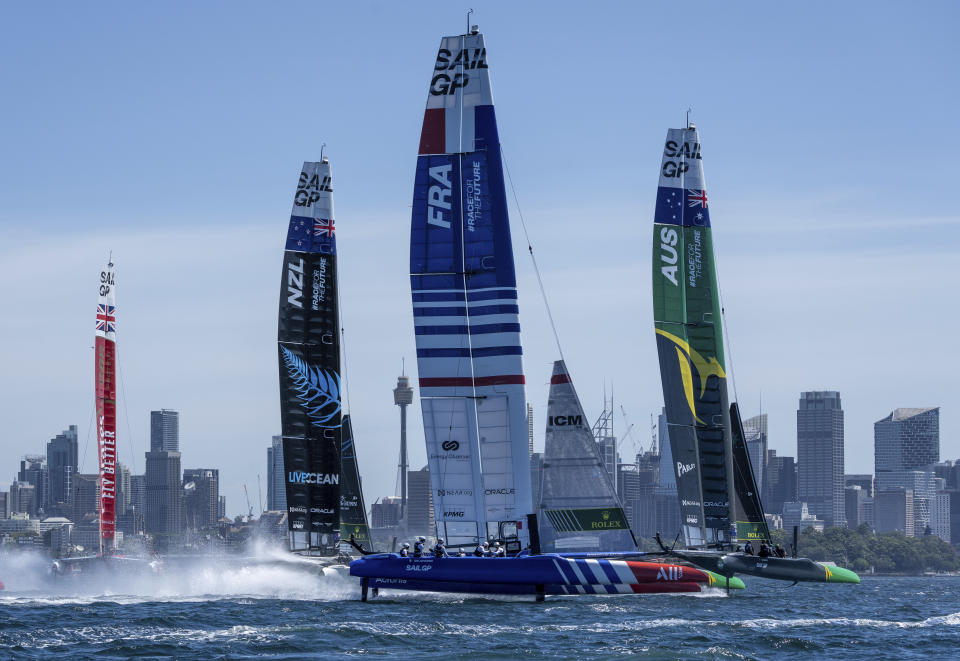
x=173, y=136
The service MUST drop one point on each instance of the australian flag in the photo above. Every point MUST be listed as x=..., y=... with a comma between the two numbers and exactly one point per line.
x=302, y=235
x=669, y=209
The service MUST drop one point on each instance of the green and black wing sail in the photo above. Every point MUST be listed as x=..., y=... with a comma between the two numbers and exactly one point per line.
x=748, y=509
x=688, y=322
x=353, y=512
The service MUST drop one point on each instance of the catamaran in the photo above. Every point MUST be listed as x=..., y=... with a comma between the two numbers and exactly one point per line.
x=469, y=357
x=321, y=477
x=719, y=500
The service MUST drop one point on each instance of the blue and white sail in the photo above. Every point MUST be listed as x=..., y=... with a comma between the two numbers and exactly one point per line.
x=465, y=310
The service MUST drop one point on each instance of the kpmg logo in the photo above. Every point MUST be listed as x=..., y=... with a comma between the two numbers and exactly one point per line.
x=299, y=477
x=683, y=469
x=459, y=514
x=450, y=446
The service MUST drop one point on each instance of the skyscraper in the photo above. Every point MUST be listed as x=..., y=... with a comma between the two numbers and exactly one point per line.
x=201, y=497
x=276, y=487
x=62, y=465
x=820, y=455
x=163, y=513
x=420, y=503
x=164, y=431
x=755, y=430
x=33, y=470
x=907, y=439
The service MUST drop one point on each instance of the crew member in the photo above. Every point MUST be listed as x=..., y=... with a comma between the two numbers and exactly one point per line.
x=500, y=551
x=479, y=550
x=780, y=553
x=418, y=547
x=405, y=551
x=764, y=550
x=748, y=548
x=440, y=551
x=487, y=553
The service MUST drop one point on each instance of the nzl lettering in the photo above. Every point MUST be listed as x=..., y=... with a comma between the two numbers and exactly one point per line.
x=438, y=196
x=465, y=60
x=295, y=284
x=668, y=254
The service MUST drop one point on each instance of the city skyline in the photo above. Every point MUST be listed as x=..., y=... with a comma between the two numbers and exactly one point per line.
x=820, y=230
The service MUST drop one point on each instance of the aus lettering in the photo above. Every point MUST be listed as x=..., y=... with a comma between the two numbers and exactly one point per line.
x=668, y=254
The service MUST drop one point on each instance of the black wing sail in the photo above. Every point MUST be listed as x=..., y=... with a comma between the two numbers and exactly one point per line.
x=309, y=356
x=353, y=511
x=747, y=508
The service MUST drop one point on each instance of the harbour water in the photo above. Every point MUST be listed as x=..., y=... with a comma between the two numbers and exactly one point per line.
x=208, y=609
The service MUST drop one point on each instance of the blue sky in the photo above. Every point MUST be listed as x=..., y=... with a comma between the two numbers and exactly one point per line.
x=172, y=134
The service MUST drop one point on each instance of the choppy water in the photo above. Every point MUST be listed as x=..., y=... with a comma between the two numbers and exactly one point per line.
x=208, y=610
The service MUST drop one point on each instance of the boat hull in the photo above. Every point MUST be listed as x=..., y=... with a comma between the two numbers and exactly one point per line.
x=545, y=574
x=783, y=569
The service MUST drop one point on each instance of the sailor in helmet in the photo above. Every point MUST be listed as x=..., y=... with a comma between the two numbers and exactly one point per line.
x=500, y=551
x=487, y=551
x=418, y=547
x=440, y=551
x=405, y=551
x=479, y=550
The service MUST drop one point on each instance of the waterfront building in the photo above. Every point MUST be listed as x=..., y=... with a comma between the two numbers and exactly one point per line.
x=33, y=470
x=781, y=482
x=276, y=486
x=419, y=514
x=386, y=513
x=940, y=515
x=799, y=515
x=201, y=488
x=855, y=502
x=755, y=433
x=907, y=439
x=923, y=486
x=163, y=513
x=85, y=498
x=22, y=499
x=893, y=510
x=820, y=455
x=62, y=466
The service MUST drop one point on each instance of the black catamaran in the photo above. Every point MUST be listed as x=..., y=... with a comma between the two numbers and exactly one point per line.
x=316, y=436
x=719, y=501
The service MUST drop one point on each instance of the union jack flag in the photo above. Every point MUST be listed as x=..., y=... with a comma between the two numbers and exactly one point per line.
x=323, y=227
x=106, y=318
x=697, y=198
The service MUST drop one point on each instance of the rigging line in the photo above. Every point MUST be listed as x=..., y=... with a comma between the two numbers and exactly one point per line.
x=536, y=268
x=126, y=411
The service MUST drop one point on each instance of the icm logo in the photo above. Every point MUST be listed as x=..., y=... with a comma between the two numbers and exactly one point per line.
x=295, y=284
x=668, y=254
x=565, y=420
x=683, y=469
x=452, y=514
x=438, y=196
x=450, y=446
x=299, y=477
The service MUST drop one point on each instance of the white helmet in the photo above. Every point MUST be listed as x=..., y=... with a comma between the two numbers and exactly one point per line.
x=497, y=544
x=422, y=539
x=406, y=545
x=440, y=541
x=486, y=544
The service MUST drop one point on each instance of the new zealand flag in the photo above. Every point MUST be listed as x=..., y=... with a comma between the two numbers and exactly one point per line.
x=311, y=235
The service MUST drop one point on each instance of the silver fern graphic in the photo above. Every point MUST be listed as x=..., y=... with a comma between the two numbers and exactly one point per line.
x=317, y=390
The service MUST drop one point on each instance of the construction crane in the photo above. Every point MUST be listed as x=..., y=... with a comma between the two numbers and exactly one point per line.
x=626, y=434
x=249, y=506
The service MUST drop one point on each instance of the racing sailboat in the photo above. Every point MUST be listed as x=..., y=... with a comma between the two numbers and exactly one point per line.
x=719, y=500
x=579, y=508
x=470, y=368
x=106, y=403
x=309, y=361
x=465, y=309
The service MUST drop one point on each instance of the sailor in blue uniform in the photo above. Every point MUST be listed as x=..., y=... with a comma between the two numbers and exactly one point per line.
x=440, y=551
x=500, y=551
x=487, y=552
x=479, y=551
x=418, y=547
x=405, y=551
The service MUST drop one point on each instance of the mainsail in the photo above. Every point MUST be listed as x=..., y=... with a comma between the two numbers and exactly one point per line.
x=578, y=505
x=688, y=324
x=309, y=354
x=106, y=396
x=465, y=305
x=353, y=512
